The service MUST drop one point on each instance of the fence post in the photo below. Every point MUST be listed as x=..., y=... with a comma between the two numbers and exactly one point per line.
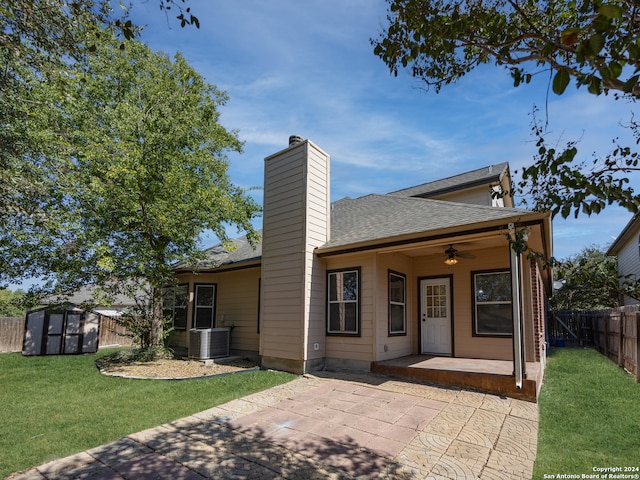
x=623, y=318
x=637, y=346
x=606, y=335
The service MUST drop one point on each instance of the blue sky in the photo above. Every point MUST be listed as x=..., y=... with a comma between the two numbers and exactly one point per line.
x=307, y=68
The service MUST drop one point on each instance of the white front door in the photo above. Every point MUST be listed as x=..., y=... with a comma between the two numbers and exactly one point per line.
x=435, y=316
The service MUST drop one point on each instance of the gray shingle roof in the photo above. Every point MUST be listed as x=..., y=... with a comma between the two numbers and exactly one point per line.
x=219, y=255
x=374, y=217
x=491, y=173
x=384, y=216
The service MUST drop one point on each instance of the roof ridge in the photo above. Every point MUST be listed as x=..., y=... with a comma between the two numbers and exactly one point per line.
x=500, y=168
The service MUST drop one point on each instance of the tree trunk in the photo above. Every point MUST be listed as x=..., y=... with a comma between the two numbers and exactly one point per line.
x=157, y=318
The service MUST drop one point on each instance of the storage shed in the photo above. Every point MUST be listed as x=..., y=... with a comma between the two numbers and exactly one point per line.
x=61, y=330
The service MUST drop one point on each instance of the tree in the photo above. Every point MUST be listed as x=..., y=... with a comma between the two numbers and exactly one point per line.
x=138, y=169
x=40, y=42
x=587, y=281
x=10, y=303
x=595, y=43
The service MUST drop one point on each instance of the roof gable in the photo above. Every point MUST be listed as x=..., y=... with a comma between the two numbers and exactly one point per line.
x=632, y=228
x=491, y=174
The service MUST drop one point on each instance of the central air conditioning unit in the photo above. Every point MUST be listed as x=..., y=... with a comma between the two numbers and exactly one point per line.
x=209, y=343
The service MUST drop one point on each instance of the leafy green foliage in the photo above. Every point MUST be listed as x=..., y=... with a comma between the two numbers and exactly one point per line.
x=40, y=42
x=558, y=182
x=593, y=43
x=589, y=281
x=441, y=41
x=11, y=303
x=129, y=168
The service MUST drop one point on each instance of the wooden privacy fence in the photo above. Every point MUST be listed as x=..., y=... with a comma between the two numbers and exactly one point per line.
x=613, y=332
x=12, y=333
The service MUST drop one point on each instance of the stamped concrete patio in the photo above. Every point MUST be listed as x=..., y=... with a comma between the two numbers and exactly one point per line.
x=326, y=426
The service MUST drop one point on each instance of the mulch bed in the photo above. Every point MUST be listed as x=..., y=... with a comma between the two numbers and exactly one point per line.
x=123, y=364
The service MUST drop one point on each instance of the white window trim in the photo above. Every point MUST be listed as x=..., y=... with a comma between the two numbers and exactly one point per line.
x=403, y=303
x=196, y=306
x=476, y=332
x=344, y=302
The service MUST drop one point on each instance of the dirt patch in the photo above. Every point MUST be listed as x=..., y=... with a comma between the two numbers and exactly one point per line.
x=121, y=366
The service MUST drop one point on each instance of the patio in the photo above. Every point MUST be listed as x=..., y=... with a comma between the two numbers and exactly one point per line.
x=490, y=376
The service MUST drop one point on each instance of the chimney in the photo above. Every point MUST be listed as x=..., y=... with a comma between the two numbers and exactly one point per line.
x=296, y=220
x=295, y=140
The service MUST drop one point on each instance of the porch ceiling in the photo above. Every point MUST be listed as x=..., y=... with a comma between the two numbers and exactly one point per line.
x=464, y=245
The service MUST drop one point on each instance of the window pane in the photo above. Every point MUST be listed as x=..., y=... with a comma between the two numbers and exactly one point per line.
x=167, y=296
x=350, y=317
x=334, y=317
x=182, y=293
x=204, y=317
x=350, y=286
x=494, y=319
x=333, y=287
x=180, y=318
x=493, y=287
x=204, y=295
x=396, y=321
x=396, y=289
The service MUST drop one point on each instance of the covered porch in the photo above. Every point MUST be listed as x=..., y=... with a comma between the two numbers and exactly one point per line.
x=491, y=376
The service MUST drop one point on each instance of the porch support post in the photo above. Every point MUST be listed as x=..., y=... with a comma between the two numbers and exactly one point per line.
x=516, y=293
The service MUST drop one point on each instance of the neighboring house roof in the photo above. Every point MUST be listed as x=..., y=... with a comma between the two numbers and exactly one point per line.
x=481, y=176
x=630, y=229
x=87, y=296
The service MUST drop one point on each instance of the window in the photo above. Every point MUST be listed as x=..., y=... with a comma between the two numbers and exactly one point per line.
x=397, y=310
x=204, y=307
x=174, y=305
x=493, y=313
x=343, y=308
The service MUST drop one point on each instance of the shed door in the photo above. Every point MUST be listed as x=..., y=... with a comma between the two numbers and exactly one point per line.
x=435, y=316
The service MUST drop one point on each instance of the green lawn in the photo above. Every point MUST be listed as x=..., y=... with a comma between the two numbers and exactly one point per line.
x=589, y=415
x=54, y=406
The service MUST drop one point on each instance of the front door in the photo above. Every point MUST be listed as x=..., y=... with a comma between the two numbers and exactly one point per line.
x=435, y=316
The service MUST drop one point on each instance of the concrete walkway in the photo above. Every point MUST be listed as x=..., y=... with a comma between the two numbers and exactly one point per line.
x=326, y=426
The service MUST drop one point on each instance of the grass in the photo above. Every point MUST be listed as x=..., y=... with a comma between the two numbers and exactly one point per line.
x=589, y=415
x=54, y=406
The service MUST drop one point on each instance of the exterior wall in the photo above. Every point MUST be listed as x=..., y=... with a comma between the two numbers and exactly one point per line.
x=351, y=350
x=375, y=343
x=629, y=262
x=464, y=343
x=476, y=196
x=296, y=208
x=393, y=346
x=237, y=299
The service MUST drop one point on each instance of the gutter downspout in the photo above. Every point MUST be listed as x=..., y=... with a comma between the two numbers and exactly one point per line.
x=518, y=333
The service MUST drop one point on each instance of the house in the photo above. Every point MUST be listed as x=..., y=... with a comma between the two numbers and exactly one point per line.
x=627, y=250
x=422, y=273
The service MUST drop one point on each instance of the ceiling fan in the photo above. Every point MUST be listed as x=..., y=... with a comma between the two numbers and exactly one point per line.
x=453, y=254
